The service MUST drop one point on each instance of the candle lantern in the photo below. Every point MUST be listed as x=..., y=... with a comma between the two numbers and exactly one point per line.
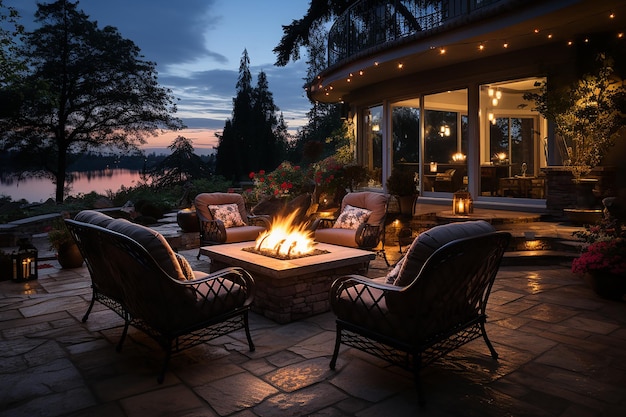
x=462, y=203
x=24, y=262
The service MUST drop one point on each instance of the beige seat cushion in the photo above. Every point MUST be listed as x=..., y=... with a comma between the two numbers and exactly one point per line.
x=431, y=240
x=153, y=242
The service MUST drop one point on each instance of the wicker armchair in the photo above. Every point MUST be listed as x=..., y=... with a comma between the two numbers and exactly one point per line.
x=156, y=291
x=216, y=229
x=433, y=302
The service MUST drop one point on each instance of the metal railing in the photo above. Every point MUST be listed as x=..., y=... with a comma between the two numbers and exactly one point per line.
x=370, y=23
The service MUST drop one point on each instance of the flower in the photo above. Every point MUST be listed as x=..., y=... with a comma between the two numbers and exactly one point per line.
x=607, y=256
x=328, y=175
x=285, y=180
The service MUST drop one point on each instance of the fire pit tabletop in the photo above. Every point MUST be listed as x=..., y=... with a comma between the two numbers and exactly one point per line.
x=336, y=257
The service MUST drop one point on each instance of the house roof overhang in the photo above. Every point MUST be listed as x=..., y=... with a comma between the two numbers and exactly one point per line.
x=520, y=26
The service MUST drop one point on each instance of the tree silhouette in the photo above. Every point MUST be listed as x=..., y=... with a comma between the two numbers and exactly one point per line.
x=85, y=88
x=180, y=166
x=252, y=138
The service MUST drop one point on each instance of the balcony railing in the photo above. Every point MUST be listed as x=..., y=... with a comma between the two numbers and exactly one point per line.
x=370, y=23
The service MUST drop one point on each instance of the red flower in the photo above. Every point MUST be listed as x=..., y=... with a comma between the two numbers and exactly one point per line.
x=251, y=175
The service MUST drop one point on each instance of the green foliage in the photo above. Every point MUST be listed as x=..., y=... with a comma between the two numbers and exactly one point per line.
x=587, y=115
x=286, y=180
x=401, y=182
x=59, y=234
x=79, y=77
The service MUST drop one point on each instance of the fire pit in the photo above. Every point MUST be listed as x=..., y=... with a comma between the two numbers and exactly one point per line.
x=290, y=289
x=286, y=240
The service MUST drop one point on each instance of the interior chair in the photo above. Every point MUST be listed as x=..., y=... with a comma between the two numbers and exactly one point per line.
x=223, y=219
x=360, y=224
x=432, y=302
x=444, y=181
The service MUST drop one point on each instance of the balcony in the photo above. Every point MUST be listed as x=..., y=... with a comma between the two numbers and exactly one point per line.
x=369, y=24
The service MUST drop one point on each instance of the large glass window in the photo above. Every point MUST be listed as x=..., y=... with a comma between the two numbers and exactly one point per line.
x=445, y=141
x=512, y=148
x=373, y=156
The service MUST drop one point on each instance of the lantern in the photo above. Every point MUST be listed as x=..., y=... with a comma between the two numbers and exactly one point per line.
x=462, y=203
x=24, y=263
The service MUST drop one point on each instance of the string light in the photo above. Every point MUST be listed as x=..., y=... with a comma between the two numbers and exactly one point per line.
x=481, y=47
x=442, y=51
x=400, y=65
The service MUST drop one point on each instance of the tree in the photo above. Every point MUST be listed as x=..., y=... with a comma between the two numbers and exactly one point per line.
x=10, y=30
x=181, y=165
x=298, y=33
x=252, y=138
x=85, y=88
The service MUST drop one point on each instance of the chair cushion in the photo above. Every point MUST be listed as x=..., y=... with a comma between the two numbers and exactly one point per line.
x=93, y=217
x=153, y=242
x=431, y=240
x=243, y=233
x=227, y=213
x=188, y=273
x=351, y=217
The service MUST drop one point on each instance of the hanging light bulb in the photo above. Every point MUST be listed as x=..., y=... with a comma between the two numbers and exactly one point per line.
x=498, y=94
x=494, y=102
x=490, y=92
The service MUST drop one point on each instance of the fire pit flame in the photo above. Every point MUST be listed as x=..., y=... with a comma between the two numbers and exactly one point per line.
x=285, y=239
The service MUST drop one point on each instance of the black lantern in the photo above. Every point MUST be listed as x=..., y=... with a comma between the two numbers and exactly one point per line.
x=24, y=262
x=462, y=203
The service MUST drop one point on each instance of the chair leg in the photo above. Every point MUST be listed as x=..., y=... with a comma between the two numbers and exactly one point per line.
x=93, y=300
x=166, y=361
x=247, y=329
x=418, y=387
x=494, y=354
x=118, y=348
x=333, y=361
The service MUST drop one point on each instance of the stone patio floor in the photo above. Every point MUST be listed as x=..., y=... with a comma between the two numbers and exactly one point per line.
x=562, y=353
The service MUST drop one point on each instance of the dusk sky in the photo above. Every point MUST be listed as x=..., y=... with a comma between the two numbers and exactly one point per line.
x=197, y=46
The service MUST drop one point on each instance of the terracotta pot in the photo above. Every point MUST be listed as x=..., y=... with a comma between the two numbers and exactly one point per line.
x=69, y=256
x=607, y=285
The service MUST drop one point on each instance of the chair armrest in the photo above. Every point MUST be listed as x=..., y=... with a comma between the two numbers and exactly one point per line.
x=259, y=220
x=359, y=287
x=323, y=223
x=237, y=275
x=212, y=231
x=367, y=235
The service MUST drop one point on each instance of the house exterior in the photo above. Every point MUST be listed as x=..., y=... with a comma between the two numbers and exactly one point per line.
x=437, y=88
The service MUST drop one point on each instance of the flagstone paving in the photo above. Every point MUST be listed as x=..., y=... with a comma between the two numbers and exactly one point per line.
x=562, y=353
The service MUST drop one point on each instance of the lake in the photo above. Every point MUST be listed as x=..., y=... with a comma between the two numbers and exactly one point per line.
x=40, y=189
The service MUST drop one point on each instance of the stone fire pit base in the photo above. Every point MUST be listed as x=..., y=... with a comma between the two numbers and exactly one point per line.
x=288, y=290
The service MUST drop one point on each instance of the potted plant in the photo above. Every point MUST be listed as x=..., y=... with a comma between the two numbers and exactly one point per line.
x=68, y=254
x=402, y=184
x=588, y=119
x=602, y=261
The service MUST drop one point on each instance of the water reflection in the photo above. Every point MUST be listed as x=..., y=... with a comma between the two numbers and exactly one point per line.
x=40, y=188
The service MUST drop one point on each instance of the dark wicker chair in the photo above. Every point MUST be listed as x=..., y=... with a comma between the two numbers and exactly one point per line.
x=214, y=231
x=177, y=313
x=441, y=307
